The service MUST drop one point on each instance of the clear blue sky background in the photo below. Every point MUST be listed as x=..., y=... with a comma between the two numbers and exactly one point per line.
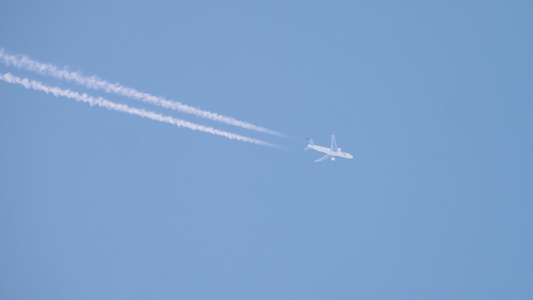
x=433, y=98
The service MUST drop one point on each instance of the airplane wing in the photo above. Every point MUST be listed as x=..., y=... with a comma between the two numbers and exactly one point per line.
x=323, y=158
x=333, y=143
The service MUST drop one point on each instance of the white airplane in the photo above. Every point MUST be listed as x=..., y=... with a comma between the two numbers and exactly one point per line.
x=330, y=152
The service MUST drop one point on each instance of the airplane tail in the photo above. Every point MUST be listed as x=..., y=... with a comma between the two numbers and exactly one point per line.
x=309, y=143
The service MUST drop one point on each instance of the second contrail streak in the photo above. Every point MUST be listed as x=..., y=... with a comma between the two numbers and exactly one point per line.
x=56, y=91
x=93, y=82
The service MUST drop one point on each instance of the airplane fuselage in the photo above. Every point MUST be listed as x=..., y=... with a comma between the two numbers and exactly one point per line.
x=328, y=151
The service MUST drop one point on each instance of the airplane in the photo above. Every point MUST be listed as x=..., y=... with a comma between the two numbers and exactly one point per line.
x=331, y=152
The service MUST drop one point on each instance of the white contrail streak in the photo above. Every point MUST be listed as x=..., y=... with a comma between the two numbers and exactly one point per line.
x=93, y=82
x=56, y=91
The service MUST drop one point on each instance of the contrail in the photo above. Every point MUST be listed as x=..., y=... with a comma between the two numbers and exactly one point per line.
x=93, y=82
x=56, y=91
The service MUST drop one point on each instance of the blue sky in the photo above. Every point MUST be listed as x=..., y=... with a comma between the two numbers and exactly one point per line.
x=433, y=99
